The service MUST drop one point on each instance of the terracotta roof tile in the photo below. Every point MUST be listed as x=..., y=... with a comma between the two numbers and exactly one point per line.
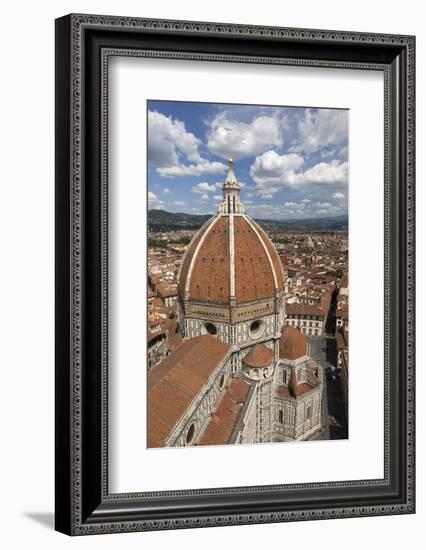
x=225, y=418
x=292, y=343
x=210, y=273
x=175, y=382
x=254, y=279
x=166, y=290
x=189, y=255
x=174, y=337
x=259, y=356
x=276, y=261
x=294, y=391
x=305, y=309
x=283, y=391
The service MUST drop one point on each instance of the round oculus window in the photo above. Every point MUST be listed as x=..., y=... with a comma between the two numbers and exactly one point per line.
x=256, y=329
x=209, y=328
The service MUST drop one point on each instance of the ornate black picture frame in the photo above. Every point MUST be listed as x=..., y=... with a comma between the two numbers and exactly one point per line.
x=83, y=45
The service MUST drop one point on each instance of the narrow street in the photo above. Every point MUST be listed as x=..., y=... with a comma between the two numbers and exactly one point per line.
x=323, y=350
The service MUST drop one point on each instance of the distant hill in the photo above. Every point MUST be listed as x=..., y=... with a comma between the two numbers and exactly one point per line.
x=160, y=220
x=338, y=223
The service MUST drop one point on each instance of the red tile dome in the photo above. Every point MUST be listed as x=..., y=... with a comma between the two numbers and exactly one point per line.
x=259, y=356
x=230, y=257
x=293, y=344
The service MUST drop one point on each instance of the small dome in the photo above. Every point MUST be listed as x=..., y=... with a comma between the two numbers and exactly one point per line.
x=293, y=344
x=259, y=356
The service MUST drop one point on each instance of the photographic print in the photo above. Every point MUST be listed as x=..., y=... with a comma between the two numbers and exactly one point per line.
x=224, y=177
x=248, y=290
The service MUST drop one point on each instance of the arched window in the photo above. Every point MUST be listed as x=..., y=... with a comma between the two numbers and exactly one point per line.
x=222, y=382
x=281, y=417
x=190, y=435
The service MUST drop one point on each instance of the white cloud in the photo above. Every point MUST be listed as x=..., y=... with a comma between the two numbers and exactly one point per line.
x=217, y=197
x=267, y=191
x=203, y=187
x=325, y=208
x=294, y=209
x=178, y=203
x=168, y=142
x=330, y=211
x=200, y=169
x=306, y=201
x=270, y=167
x=338, y=196
x=265, y=210
x=232, y=138
x=154, y=201
x=333, y=172
x=322, y=204
x=294, y=205
x=271, y=171
x=167, y=137
x=294, y=213
x=205, y=197
x=321, y=128
x=167, y=191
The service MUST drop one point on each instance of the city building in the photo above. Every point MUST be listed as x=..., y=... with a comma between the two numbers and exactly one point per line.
x=240, y=375
x=342, y=337
x=168, y=293
x=310, y=319
x=342, y=344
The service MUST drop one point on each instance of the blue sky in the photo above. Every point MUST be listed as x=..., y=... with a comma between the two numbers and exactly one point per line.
x=292, y=162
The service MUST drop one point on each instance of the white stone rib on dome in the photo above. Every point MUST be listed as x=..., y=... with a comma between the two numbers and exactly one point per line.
x=197, y=250
x=263, y=232
x=210, y=220
x=231, y=257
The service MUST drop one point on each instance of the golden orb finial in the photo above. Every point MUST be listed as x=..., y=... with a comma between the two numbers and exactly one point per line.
x=230, y=162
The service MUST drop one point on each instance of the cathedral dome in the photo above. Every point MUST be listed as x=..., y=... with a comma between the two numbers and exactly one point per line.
x=293, y=344
x=231, y=258
x=259, y=356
